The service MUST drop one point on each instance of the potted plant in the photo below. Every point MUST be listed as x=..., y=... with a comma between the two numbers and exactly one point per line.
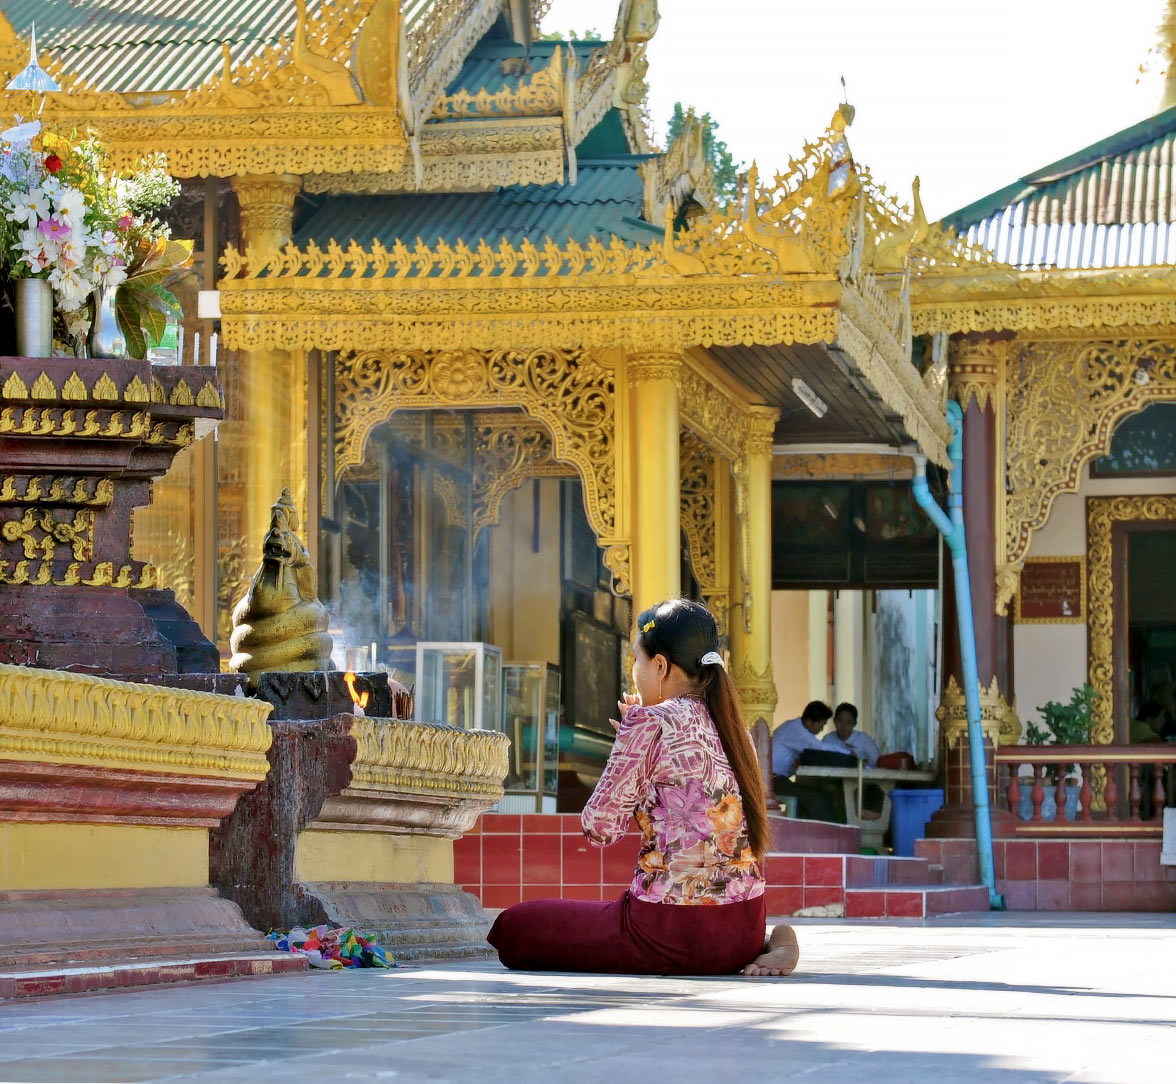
x=83, y=245
x=1062, y=724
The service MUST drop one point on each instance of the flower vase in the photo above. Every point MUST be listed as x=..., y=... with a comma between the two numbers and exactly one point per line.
x=34, y=318
x=106, y=338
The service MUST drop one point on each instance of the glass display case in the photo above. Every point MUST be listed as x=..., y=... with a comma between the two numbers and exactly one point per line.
x=459, y=684
x=531, y=696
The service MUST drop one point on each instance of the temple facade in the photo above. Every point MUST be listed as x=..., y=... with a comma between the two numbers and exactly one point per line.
x=528, y=373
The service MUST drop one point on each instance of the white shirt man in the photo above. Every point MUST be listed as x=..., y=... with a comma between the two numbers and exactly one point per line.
x=795, y=736
x=845, y=734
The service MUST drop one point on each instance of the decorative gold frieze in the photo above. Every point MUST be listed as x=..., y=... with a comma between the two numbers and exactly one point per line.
x=50, y=715
x=544, y=93
x=39, y=573
x=47, y=421
x=422, y=758
x=975, y=370
x=51, y=489
x=700, y=467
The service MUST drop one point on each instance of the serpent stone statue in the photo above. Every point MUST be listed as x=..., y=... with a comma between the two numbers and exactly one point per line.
x=280, y=623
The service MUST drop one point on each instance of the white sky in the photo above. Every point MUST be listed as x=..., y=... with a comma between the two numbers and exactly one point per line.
x=969, y=94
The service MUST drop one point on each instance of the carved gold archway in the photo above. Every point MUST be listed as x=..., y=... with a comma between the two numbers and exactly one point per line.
x=571, y=392
x=705, y=501
x=1102, y=513
x=1064, y=399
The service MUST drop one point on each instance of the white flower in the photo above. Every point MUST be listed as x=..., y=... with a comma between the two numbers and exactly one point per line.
x=71, y=252
x=36, y=249
x=29, y=207
x=71, y=207
x=71, y=286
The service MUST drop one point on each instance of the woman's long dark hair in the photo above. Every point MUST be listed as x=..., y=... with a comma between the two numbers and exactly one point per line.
x=683, y=631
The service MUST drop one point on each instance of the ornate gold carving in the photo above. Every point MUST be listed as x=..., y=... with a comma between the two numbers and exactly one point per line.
x=682, y=173
x=73, y=388
x=542, y=94
x=51, y=489
x=508, y=451
x=49, y=715
x=15, y=388
x=1064, y=400
x=699, y=466
x=757, y=691
x=952, y=713
x=460, y=156
x=136, y=391
x=104, y=388
x=570, y=392
x=422, y=758
x=711, y=412
x=39, y=573
x=267, y=203
x=40, y=534
x=43, y=387
x=1102, y=513
x=280, y=623
x=1006, y=299
x=974, y=372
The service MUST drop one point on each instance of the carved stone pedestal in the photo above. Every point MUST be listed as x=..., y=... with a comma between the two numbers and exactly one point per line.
x=354, y=826
x=108, y=791
x=80, y=442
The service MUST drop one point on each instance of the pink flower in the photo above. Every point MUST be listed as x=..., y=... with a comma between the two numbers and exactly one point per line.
x=53, y=227
x=683, y=816
x=126, y=222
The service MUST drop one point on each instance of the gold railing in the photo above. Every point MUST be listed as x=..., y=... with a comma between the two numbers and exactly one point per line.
x=1122, y=789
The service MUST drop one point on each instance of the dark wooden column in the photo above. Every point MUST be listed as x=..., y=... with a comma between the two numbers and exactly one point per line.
x=976, y=382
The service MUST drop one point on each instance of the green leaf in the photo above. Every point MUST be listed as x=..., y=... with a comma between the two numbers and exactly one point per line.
x=126, y=311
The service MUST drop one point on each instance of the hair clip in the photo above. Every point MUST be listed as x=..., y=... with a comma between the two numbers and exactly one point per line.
x=647, y=626
x=711, y=658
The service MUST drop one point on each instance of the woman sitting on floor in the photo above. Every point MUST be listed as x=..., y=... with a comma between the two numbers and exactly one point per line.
x=683, y=765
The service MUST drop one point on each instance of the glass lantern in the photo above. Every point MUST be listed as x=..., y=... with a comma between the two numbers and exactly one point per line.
x=459, y=685
x=531, y=720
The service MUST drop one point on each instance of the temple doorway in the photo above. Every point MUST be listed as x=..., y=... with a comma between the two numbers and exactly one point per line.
x=1150, y=573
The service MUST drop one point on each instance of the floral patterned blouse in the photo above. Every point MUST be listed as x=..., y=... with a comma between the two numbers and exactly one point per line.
x=667, y=769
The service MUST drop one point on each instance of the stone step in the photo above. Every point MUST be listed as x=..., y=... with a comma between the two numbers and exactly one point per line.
x=85, y=978
x=794, y=836
x=914, y=901
x=957, y=859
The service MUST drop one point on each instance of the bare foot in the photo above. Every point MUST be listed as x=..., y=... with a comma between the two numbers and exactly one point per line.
x=781, y=957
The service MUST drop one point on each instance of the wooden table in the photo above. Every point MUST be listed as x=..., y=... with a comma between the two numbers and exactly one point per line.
x=854, y=780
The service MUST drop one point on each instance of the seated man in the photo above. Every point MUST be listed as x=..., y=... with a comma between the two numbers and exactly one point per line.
x=815, y=800
x=845, y=733
x=1150, y=724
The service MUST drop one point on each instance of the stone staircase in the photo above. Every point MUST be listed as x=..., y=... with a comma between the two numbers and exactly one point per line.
x=940, y=880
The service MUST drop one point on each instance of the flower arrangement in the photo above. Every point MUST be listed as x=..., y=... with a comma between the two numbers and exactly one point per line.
x=67, y=217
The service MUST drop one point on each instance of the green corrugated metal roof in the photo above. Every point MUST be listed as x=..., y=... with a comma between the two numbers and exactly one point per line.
x=605, y=202
x=1110, y=204
x=151, y=45
x=483, y=67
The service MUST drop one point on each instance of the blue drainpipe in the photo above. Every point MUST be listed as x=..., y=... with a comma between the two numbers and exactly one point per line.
x=953, y=533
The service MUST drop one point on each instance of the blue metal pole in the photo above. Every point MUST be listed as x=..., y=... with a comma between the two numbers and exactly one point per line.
x=952, y=529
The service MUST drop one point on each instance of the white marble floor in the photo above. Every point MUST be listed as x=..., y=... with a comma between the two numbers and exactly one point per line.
x=1007, y=998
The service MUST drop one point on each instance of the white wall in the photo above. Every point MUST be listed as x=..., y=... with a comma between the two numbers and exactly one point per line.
x=1050, y=660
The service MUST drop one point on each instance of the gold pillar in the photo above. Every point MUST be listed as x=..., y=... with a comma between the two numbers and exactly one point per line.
x=275, y=380
x=750, y=624
x=657, y=569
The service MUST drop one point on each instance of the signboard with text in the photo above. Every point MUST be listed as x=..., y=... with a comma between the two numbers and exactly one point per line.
x=1052, y=591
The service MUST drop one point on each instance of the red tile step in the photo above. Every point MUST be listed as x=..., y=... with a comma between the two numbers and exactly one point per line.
x=914, y=901
x=61, y=979
x=794, y=836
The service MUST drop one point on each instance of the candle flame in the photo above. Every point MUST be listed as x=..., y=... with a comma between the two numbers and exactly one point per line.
x=358, y=698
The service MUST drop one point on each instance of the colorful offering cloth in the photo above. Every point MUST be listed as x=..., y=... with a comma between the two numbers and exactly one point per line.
x=332, y=948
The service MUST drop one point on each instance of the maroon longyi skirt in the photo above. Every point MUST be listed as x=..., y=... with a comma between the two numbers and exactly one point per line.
x=629, y=936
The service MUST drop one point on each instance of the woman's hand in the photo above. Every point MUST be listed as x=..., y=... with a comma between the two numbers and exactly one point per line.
x=627, y=701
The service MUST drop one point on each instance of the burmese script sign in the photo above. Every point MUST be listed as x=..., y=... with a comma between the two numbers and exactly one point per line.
x=1052, y=591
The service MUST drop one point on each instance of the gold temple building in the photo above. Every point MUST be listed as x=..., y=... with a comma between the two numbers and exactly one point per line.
x=526, y=373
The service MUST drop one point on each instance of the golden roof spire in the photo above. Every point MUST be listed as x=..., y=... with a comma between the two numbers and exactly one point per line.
x=1167, y=31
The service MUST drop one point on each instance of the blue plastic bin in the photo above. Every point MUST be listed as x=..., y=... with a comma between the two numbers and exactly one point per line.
x=910, y=810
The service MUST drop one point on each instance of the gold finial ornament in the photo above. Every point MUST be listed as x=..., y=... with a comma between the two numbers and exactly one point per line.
x=280, y=623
